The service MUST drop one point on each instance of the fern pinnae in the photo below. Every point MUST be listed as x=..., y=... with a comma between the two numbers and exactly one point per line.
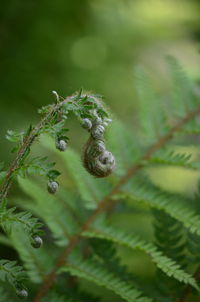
x=167, y=265
x=173, y=158
x=13, y=274
x=146, y=95
x=36, y=261
x=183, y=98
x=176, y=206
x=128, y=151
x=93, y=271
x=52, y=212
x=170, y=238
x=193, y=240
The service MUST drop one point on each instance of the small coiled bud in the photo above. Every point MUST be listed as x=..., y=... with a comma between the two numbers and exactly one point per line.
x=36, y=242
x=97, y=131
x=86, y=124
x=107, y=158
x=52, y=187
x=98, y=120
x=61, y=145
x=22, y=293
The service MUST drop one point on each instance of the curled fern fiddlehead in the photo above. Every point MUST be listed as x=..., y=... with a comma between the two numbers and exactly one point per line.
x=96, y=159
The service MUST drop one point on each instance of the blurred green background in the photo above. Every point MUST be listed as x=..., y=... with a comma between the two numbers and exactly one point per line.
x=63, y=45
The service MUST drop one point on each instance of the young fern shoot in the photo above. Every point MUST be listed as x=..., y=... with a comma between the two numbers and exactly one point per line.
x=98, y=161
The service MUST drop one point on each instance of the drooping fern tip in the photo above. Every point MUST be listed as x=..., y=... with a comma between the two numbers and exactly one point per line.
x=93, y=117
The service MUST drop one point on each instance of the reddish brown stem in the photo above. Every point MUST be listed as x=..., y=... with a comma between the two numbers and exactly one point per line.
x=106, y=203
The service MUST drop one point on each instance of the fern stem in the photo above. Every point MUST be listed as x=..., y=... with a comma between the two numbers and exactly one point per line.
x=28, y=141
x=107, y=204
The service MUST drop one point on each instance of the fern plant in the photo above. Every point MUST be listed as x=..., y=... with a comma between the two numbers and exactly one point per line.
x=85, y=245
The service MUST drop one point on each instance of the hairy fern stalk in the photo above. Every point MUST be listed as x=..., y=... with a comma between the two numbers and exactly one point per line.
x=79, y=214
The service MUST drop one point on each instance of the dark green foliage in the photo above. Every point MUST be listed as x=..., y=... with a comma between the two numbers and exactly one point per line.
x=12, y=273
x=170, y=240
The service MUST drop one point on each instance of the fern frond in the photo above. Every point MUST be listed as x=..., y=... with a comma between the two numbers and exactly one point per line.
x=51, y=210
x=170, y=239
x=176, y=206
x=12, y=273
x=168, y=266
x=9, y=218
x=182, y=88
x=37, y=262
x=95, y=272
x=193, y=245
x=172, y=158
x=193, y=240
x=169, y=234
x=151, y=117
